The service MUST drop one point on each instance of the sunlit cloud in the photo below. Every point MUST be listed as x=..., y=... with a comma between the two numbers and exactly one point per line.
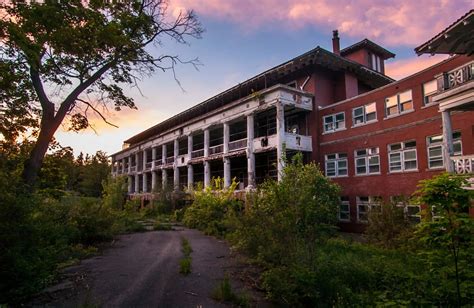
x=402, y=68
x=403, y=22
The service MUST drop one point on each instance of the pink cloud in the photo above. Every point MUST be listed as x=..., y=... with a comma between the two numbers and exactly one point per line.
x=403, y=22
x=402, y=68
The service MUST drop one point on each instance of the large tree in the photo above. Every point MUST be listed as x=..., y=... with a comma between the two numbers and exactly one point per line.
x=69, y=58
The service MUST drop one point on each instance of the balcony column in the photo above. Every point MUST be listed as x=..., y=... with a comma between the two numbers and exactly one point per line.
x=123, y=165
x=163, y=154
x=447, y=140
x=137, y=158
x=175, y=166
x=144, y=159
x=130, y=187
x=164, y=179
x=137, y=183
x=145, y=180
x=227, y=179
x=190, y=167
x=153, y=181
x=207, y=166
x=129, y=164
x=153, y=157
x=281, y=149
x=226, y=134
x=250, y=153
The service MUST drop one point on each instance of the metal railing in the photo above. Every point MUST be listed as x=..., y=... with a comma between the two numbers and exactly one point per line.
x=169, y=160
x=216, y=149
x=197, y=153
x=455, y=78
x=238, y=144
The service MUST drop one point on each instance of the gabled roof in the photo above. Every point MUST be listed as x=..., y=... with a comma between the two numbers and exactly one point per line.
x=366, y=43
x=458, y=38
x=315, y=57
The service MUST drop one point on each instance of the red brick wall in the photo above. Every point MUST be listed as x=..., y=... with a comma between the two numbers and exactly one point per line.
x=417, y=125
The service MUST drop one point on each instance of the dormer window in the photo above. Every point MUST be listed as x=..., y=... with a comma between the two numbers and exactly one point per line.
x=375, y=62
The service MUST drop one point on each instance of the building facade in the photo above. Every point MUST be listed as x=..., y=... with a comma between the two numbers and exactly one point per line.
x=374, y=136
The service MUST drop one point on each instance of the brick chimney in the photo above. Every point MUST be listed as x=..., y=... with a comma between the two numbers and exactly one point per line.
x=335, y=43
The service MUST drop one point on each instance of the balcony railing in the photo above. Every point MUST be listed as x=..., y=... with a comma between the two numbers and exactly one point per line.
x=158, y=162
x=238, y=144
x=133, y=168
x=197, y=153
x=169, y=160
x=216, y=149
x=456, y=77
x=463, y=164
x=148, y=165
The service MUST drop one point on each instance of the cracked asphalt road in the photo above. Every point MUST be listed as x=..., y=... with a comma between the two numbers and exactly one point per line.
x=142, y=270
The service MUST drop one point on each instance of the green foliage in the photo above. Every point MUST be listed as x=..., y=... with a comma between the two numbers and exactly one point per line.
x=448, y=236
x=114, y=192
x=388, y=226
x=185, y=266
x=289, y=218
x=224, y=293
x=212, y=208
x=185, y=262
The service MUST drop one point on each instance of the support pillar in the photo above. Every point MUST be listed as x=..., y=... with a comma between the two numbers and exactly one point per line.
x=153, y=181
x=175, y=166
x=227, y=179
x=164, y=179
x=447, y=140
x=190, y=167
x=153, y=157
x=137, y=183
x=130, y=184
x=137, y=158
x=129, y=164
x=226, y=137
x=281, y=148
x=145, y=180
x=207, y=174
x=123, y=166
x=250, y=153
x=190, y=177
x=207, y=166
x=145, y=158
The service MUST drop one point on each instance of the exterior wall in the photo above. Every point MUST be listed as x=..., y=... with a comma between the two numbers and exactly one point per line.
x=422, y=122
x=360, y=56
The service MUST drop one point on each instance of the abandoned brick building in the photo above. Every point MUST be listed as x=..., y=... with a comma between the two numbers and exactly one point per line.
x=374, y=136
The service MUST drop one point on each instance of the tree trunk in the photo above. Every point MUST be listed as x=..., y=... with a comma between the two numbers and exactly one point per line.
x=33, y=164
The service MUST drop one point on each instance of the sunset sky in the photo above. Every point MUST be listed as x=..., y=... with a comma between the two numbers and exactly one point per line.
x=246, y=37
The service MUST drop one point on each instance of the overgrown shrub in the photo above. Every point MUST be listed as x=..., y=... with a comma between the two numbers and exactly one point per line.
x=288, y=219
x=388, y=226
x=212, y=208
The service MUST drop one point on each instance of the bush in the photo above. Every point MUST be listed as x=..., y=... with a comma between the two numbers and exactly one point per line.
x=212, y=208
x=289, y=218
x=388, y=226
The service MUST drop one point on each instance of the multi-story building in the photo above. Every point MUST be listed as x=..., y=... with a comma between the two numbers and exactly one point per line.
x=374, y=136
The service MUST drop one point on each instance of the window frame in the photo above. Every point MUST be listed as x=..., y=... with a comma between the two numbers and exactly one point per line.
x=336, y=160
x=427, y=97
x=366, y=157
x=371, y=202
x=364, y=115
x=334, y=122
x=399, y=104
x=344, y=201
x=401, y=152
x=457, y=140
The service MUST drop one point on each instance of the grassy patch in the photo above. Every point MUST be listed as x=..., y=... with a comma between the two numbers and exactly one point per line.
x=185, y=266
x=185, y=263
x=158, y=226
x=224, y=293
